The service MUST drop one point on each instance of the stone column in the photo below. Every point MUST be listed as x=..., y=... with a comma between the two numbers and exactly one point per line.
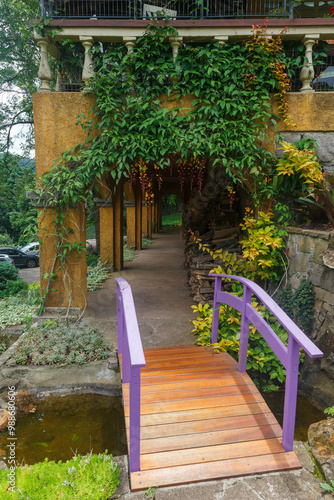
x=88, y=69
x=130, y=224
x=144, y=218
x=149, y=222
x=138, y=212
x=307, y=72
x=129, y=42
x=118, y=262
x=176, y=42
x=106, y=216
x=66, y=284
x=44, y=72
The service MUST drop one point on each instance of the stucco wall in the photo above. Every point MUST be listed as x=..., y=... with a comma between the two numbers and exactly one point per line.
x=311, y=256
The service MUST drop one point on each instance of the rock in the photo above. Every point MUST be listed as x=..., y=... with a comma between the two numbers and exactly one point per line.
x=24, y=402
x=328, y=258
x=3, y=419
x=321, y=439
x=3, y=465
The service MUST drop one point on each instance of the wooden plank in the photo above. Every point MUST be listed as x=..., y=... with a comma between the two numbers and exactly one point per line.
x=202, y=413
x=185, y=385
x=193, y=404
x=172, y=378
x=203, y=439
x=213, y=424
x=210, y=454
x=195, y=370
x=183, y=363
x=214, y=470
x=176, y=395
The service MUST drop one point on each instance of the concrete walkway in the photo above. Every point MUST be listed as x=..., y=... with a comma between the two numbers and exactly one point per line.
x=157, y=277
x=158, y=280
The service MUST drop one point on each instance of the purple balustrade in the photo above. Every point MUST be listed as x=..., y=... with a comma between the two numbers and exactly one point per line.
x=130, y=346
x=289, y=356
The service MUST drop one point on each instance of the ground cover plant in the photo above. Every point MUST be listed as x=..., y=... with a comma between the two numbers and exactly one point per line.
x=59, y=342
x=94, y=476
x=19, y=308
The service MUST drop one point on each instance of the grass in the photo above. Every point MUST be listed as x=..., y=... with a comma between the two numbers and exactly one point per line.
x=172, y=219
x=94, y=476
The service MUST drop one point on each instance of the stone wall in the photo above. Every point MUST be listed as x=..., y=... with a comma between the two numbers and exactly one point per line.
x=311, y=256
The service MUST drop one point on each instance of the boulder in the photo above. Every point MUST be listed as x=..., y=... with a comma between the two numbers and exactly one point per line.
x=321, y=439
x=3, y=419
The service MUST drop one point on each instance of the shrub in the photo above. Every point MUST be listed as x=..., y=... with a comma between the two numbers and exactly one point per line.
x=263, y=365
x=92, y=260
x=6, y=240
x=8, y=272
x=89, y=476
x=13, y=288
x=58, y=342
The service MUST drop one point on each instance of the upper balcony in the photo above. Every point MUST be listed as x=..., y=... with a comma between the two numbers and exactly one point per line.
x=184, y=9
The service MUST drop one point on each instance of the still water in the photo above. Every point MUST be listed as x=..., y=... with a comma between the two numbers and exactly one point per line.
x=65, y=425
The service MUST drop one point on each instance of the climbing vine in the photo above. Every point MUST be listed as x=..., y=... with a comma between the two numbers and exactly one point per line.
x=209, y=108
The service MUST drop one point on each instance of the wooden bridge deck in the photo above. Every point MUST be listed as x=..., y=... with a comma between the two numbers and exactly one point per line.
x=201, y=419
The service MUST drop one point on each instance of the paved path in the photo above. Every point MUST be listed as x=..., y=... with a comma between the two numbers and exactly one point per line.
x=157, y=277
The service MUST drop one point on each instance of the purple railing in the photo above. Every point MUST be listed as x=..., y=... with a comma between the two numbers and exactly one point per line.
x=131, y=349
x=289, y=356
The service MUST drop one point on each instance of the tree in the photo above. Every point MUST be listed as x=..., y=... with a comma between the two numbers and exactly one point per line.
x=18, y=69
x=17, y=216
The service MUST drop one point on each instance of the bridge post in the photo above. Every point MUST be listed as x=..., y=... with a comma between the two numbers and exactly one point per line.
x=244, y=330
x=290, y=398
x=134, y=455
x=215, y=310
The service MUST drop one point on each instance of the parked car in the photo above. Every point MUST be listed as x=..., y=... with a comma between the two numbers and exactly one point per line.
x=31, y=248
x=21, y=259
x=5, y=258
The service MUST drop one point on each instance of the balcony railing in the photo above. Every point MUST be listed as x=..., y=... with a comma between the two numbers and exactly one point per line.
x=175, y=9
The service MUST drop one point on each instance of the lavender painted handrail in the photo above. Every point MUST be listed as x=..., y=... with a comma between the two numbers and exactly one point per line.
x=130, y=346
x=289, y=356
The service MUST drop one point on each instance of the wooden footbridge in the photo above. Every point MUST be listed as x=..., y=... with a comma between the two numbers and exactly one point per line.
x=194, y=415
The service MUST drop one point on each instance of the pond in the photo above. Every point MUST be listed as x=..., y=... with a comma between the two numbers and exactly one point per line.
x=65, y=425
x=306, y=414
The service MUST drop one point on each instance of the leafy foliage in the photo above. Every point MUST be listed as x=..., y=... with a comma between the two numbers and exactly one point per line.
x=299, y=305
x=18, y=309
x=262, y=246
x=263, y=365
x=97, y=275
x=18, y=69
x=150, y=109
x=57, y=342
x=88, y=476
x=8, y=272
x=18, y=218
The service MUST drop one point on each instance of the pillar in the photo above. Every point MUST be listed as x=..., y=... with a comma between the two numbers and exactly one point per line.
x=138, y=215
x=44, y=71
x=88, y=69
x=66, y=281
x=106, y=217
x=307, y=71
x=130, y=224
x=118, y=261
x=144, y=219
x=149, y=222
